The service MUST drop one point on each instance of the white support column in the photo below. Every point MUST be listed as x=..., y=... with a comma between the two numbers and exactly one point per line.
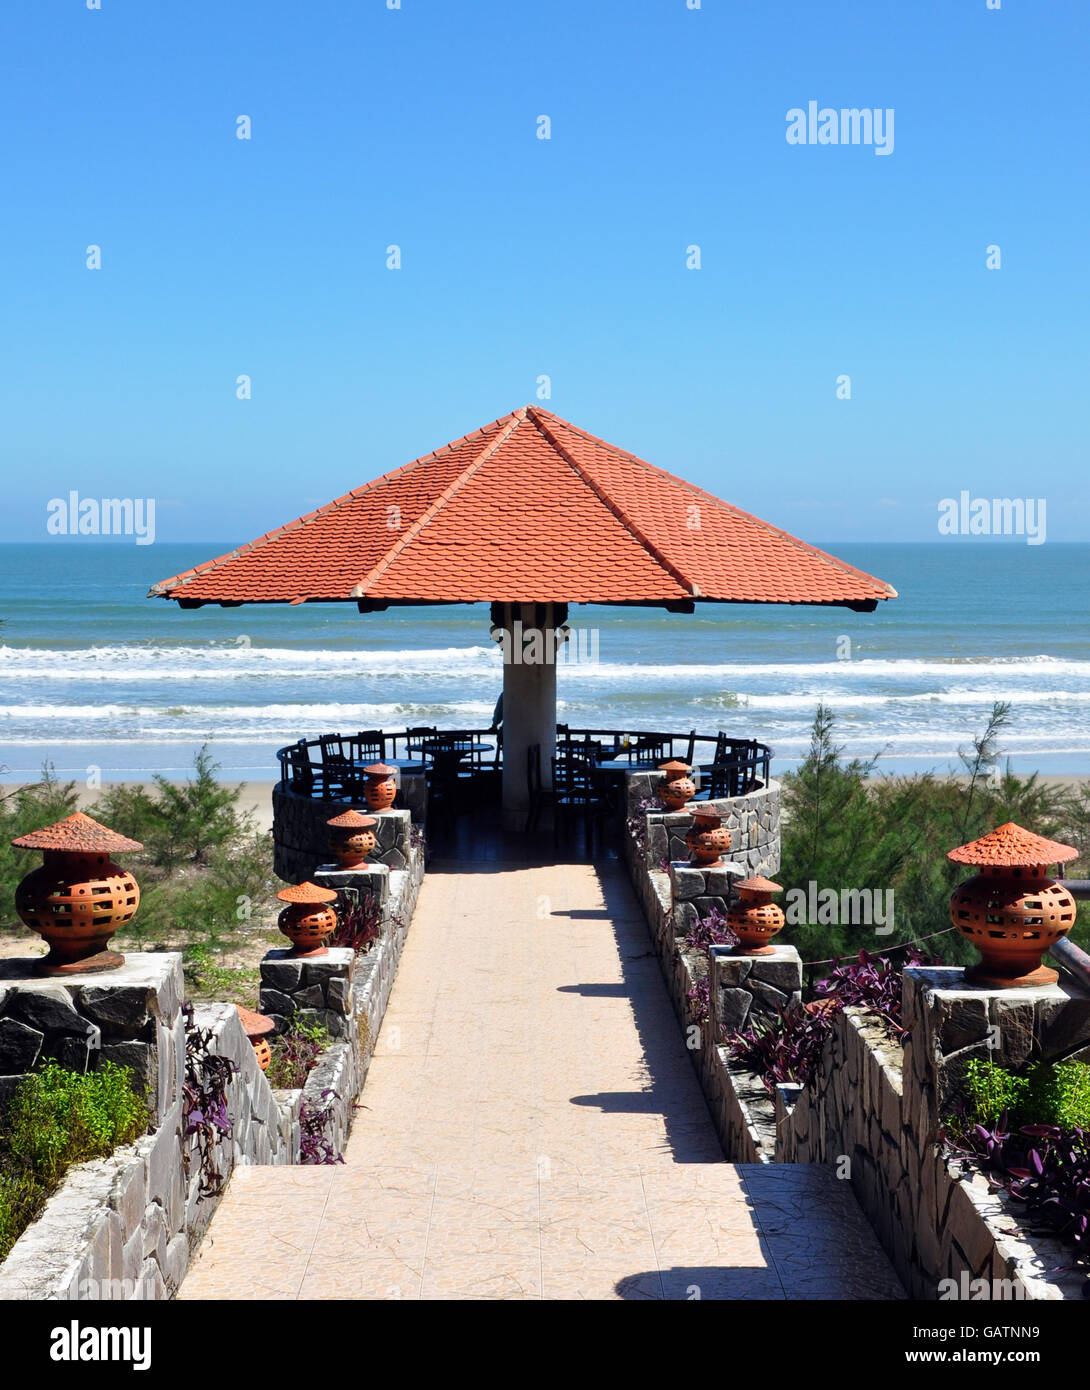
x=529, y=699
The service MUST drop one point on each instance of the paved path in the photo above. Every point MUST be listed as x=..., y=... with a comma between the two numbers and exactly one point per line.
x=532, y=1127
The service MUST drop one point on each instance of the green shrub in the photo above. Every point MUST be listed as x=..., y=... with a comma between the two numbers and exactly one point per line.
x=193, y=817
x=846, y=826
x=992, y=1092
x=1048, y=1094
x=1059, y=1095
x=57, y=1118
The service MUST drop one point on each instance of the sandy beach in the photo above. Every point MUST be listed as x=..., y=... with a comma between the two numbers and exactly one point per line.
x=254, y=796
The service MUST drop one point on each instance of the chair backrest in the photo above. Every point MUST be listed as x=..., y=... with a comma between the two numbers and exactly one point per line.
x=369, y=744
x=651, y=748
x=333, y=745
x=574, y=777
x=690, y=748
x=299, y=771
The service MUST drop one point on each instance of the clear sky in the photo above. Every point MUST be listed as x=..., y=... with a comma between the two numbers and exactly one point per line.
x=524, y=257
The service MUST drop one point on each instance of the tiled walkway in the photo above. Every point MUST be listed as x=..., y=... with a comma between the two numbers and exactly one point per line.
x=531, y=1127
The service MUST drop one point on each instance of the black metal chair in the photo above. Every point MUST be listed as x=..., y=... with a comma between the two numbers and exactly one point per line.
x=538, y=796
x=651, y=748
x=368, y=746
x=577, y=792
x=298, y=769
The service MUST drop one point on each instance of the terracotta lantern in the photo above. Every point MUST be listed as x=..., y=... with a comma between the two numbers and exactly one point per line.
x=1012, y=911
x=676, y=787
x=78, y=897
x=352, y=838
x=707, y=839
x=308, y=919
x=380, y=789
x=257, y=1028
x=754, y=917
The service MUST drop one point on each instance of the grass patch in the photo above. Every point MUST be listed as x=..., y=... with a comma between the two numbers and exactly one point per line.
x=58, y=1118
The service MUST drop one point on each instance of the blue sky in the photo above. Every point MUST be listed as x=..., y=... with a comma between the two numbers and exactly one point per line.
x=524, y=257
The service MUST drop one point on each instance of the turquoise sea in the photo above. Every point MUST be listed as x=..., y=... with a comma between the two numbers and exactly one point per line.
x=94, y=674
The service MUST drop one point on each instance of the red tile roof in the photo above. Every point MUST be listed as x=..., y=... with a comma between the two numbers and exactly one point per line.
x=528, y=509
x=77, y=834
x=1012, y=847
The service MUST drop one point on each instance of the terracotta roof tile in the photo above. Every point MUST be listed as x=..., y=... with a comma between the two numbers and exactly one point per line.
x=1012, y=847
x=254, y=1025
x=306, y=893
x=759, y=885
x=78, y=834
x=352, y=820
x=528, y=509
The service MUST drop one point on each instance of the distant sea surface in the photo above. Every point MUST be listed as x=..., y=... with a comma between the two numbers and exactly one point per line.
x=93, y=674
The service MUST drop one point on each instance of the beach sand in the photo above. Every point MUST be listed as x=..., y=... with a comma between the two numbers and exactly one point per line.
x=254, y=796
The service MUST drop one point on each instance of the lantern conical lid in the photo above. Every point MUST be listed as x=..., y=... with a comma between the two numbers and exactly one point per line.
x=379, y=770
x=306, y=893
x=352, y=820
x=254, y=1025
x=757, y=884
x=1010, y=846
x=78, y=834
x=674, y=765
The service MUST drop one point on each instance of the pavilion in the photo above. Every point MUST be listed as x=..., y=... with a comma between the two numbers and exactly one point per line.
x=529, y=514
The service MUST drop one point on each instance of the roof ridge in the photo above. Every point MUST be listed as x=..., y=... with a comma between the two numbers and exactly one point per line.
x=796, y=541
x=359, y=590
x=185, y=576
x=611, y=506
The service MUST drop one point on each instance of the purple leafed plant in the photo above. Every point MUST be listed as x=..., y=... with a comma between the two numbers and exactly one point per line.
x=204, y=1102
x=872, y=983
x=711, y=930
x=784, y=1046
x=315, y=1146
x=294, y=1056
x=1042, y=1168
x=637, y=821
x=359, y=921
x=699, y=998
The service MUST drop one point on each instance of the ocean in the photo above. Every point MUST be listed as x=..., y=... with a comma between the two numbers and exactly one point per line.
x=94, y=675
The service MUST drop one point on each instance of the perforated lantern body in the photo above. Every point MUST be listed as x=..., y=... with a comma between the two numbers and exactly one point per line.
x=380, y=789
x=351, y=838
x=1012, y=916
x=677, y=786
x=707, y=839
x=754, y=917
x=308, y=918
x=78, y=897
x=1012, y=911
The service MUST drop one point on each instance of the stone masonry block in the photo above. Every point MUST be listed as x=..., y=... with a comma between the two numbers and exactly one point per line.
x=20, y=1046
x=281, y=971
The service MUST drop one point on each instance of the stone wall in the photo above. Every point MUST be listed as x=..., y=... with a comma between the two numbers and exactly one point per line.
x=741, y=1108
x=301, y=834
x=753, y=821
x=876, y=1110
x=125, y=1227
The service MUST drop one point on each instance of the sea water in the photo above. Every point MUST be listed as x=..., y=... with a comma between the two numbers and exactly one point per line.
x=93, y=674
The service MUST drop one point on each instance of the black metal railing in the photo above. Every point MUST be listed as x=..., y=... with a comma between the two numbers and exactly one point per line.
x=331, y=765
